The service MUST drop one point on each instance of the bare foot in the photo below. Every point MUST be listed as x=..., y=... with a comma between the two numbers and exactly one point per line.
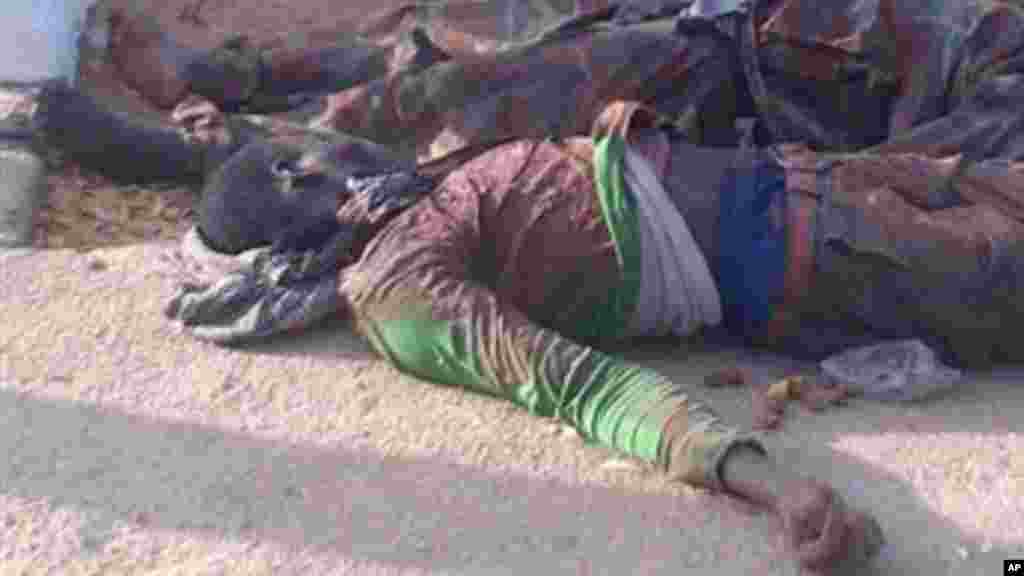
x=814, y=519
x=825, y=535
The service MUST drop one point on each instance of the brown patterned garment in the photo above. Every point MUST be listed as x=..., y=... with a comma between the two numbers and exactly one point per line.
x=489, y=283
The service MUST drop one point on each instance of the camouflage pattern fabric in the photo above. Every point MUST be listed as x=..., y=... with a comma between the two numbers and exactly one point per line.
x=910, y=245
x=245, y=74
x=916, y=230
x=939, y=78
x=555, y=86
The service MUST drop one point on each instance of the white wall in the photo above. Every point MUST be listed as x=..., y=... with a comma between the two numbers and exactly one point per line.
x=38, y=38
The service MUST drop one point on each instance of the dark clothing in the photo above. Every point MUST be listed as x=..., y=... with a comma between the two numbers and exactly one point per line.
x=900, y=248
x=896, y=257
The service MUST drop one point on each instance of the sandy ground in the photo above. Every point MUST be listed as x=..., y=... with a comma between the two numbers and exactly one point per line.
x=128, y=447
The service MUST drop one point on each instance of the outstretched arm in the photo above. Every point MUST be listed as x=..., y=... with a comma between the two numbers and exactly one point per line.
x=430, y=319
x=417, y=296
x=123, y=148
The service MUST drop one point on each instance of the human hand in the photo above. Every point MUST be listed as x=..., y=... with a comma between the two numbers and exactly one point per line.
x=824, y=534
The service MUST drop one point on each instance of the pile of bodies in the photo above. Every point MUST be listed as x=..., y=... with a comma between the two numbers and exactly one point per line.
x=500, y=215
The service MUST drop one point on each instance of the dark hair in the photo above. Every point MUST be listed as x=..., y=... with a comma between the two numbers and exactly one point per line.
x=256, y=196
x=271, y=188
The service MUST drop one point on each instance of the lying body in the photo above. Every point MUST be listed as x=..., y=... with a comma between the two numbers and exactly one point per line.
x=417, y=94
x=530, y=262
x=352, y=46
x=835, y=83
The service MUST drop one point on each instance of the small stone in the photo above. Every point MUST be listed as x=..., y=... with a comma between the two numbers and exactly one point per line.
x=726, y=377
x=785, y=389
x=172, y=213
x=963, y=553
x=567, y=543
x=817, y=397
x=768, y=405
x=367, y=404
x=766, y=417
x=695, y=558
x=618, y=465
x=568, y=432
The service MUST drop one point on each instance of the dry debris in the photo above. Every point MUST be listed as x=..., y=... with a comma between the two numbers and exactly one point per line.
x=85, y=211
x=814, y=394
x=726, y=377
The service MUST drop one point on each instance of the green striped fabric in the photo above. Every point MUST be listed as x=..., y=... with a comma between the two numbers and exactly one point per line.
x=611, y=321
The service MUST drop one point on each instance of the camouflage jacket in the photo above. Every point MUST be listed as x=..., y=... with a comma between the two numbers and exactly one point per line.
x=932, y=77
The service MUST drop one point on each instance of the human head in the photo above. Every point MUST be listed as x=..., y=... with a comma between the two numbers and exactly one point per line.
x=273, y=186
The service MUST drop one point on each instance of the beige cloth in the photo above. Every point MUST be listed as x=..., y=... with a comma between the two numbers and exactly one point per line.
x=677, y=292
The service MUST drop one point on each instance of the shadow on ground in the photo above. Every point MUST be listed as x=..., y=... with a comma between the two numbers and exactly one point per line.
x=432, y=514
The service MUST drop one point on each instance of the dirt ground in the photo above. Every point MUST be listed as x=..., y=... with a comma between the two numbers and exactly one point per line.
x=127, y=447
